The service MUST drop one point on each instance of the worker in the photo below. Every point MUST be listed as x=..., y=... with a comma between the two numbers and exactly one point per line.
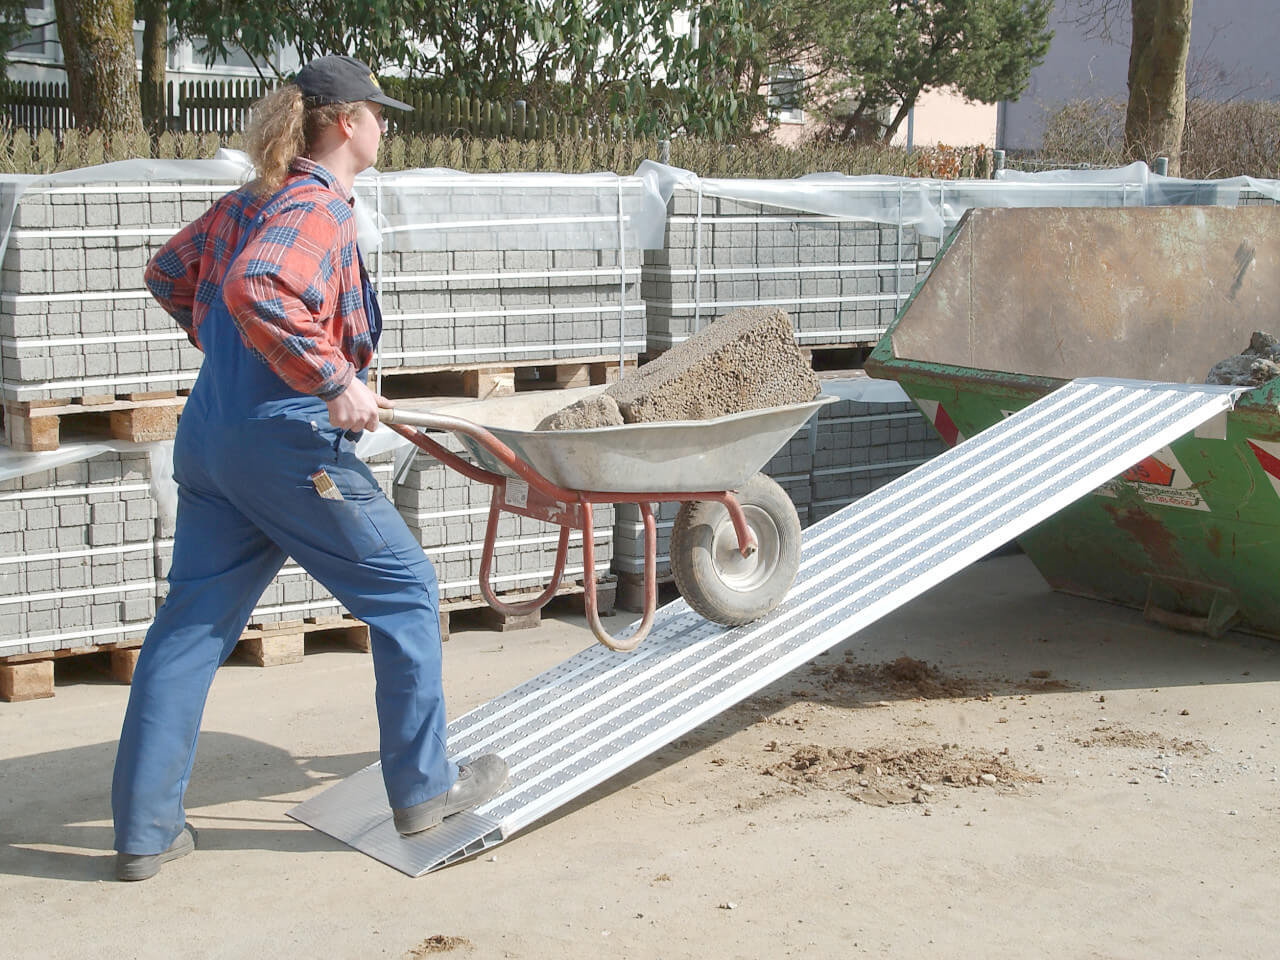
x=270, y=285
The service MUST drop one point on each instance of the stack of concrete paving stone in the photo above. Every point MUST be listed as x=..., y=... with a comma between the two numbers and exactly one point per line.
x=516, y=307
x=1254, y=198
x=859, y=447
x=77, y=544
x=75, y=317
x=76, y=320
x=449, y=513
x=854, y=448
x=842, y=281
x=511, y=294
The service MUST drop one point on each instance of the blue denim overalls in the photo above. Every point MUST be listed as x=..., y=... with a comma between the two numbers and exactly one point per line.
x=263, y=474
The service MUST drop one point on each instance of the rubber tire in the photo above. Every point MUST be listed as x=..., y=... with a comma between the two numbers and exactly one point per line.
x=702, y=525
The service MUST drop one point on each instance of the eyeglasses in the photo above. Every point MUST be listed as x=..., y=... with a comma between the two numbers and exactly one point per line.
x=378, y=116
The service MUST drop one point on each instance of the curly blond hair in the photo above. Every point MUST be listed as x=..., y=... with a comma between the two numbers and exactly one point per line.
x=282, y=128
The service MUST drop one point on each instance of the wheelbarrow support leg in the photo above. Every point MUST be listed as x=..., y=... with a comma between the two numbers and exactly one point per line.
x=625, y=645
x=486, y=565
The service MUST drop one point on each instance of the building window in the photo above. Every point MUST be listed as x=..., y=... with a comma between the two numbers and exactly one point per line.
x=237, y=63
x=786, y=94
x=41, y=41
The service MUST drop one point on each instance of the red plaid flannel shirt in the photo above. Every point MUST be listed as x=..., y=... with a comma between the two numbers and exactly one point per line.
x=294, y=292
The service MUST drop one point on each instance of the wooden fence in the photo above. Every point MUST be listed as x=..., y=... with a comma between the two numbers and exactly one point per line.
x=222, y=106
x=35, y=107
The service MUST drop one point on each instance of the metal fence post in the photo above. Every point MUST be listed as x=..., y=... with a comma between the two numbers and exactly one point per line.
x=997, y=163
x=622, y=283
x=1161, y=168
x=697, y=264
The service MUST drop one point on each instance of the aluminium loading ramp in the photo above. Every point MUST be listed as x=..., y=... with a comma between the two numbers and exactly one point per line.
x=599, y=712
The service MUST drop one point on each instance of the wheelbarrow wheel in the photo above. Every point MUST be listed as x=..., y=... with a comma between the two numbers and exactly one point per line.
x=714, y=578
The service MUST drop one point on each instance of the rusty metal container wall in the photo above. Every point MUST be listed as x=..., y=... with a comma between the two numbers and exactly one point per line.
x=1019, y=301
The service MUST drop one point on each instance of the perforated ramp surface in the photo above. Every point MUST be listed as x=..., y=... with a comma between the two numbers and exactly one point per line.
x=599, y=712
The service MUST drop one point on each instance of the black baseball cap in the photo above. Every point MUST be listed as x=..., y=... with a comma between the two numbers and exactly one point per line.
x=336, y=79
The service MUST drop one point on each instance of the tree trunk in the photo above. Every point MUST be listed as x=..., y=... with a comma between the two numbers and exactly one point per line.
x=1158, y=80
x=904, y=109
x=155, y=35
x=102, y=72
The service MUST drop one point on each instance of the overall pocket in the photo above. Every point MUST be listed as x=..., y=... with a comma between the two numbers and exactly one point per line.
x=299, y=482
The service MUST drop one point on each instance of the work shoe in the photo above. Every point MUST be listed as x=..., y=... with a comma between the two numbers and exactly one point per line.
x=141, y=866
x=477, y=782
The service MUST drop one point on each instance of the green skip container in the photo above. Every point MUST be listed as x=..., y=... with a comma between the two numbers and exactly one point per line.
x=1020, y=301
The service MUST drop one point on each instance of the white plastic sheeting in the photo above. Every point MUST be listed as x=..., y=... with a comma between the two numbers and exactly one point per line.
x=447, y=210
x=890, y=200
x=15, y=464
x=422, y=209
x=935, y=206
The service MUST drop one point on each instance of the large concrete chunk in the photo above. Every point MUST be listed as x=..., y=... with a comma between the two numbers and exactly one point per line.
x=745, y=361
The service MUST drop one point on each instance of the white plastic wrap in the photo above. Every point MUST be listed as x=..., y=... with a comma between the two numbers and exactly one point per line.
x=440, y=209
x=15, y=464
x=230, y=167
x=935, y=206
x=889, y=200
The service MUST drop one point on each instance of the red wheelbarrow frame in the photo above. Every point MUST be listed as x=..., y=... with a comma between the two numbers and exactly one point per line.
x=539, y=498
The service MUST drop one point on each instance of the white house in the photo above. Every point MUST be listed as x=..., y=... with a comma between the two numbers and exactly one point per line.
x=38, y=57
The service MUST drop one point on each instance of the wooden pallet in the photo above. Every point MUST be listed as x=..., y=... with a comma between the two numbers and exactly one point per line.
x=285, y=641
x=36, y=425
x=475, y=612
x=29, y=676
x=483, y=380
x=821, y=356
x=837, y=356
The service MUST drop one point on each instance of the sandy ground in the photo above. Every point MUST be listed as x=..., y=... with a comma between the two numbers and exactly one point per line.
x=994, y=768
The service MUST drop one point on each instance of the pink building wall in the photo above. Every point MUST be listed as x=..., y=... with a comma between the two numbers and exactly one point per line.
x=941, y=116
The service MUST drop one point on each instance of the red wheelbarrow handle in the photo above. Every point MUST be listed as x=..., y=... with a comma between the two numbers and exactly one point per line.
x=398, y=420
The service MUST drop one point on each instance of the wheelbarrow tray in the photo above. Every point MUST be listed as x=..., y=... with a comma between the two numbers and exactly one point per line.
x=680, y=456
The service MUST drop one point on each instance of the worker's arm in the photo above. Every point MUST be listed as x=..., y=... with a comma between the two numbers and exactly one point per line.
x=173, y=273
x=285, y=294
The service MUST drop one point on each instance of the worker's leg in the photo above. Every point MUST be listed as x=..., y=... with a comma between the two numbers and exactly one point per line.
x=221, y=564
x=360, y=549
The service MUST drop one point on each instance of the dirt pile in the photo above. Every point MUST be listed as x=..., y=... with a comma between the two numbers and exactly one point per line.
x=1117, y=736
x=906, y=678
x=747, y=360
x=438, y=943
x=1258, y=363
x=891, y=774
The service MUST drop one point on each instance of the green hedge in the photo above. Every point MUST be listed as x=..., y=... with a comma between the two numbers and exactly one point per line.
x=20, y=153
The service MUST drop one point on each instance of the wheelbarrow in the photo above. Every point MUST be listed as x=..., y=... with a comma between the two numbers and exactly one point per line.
x=735, y=544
